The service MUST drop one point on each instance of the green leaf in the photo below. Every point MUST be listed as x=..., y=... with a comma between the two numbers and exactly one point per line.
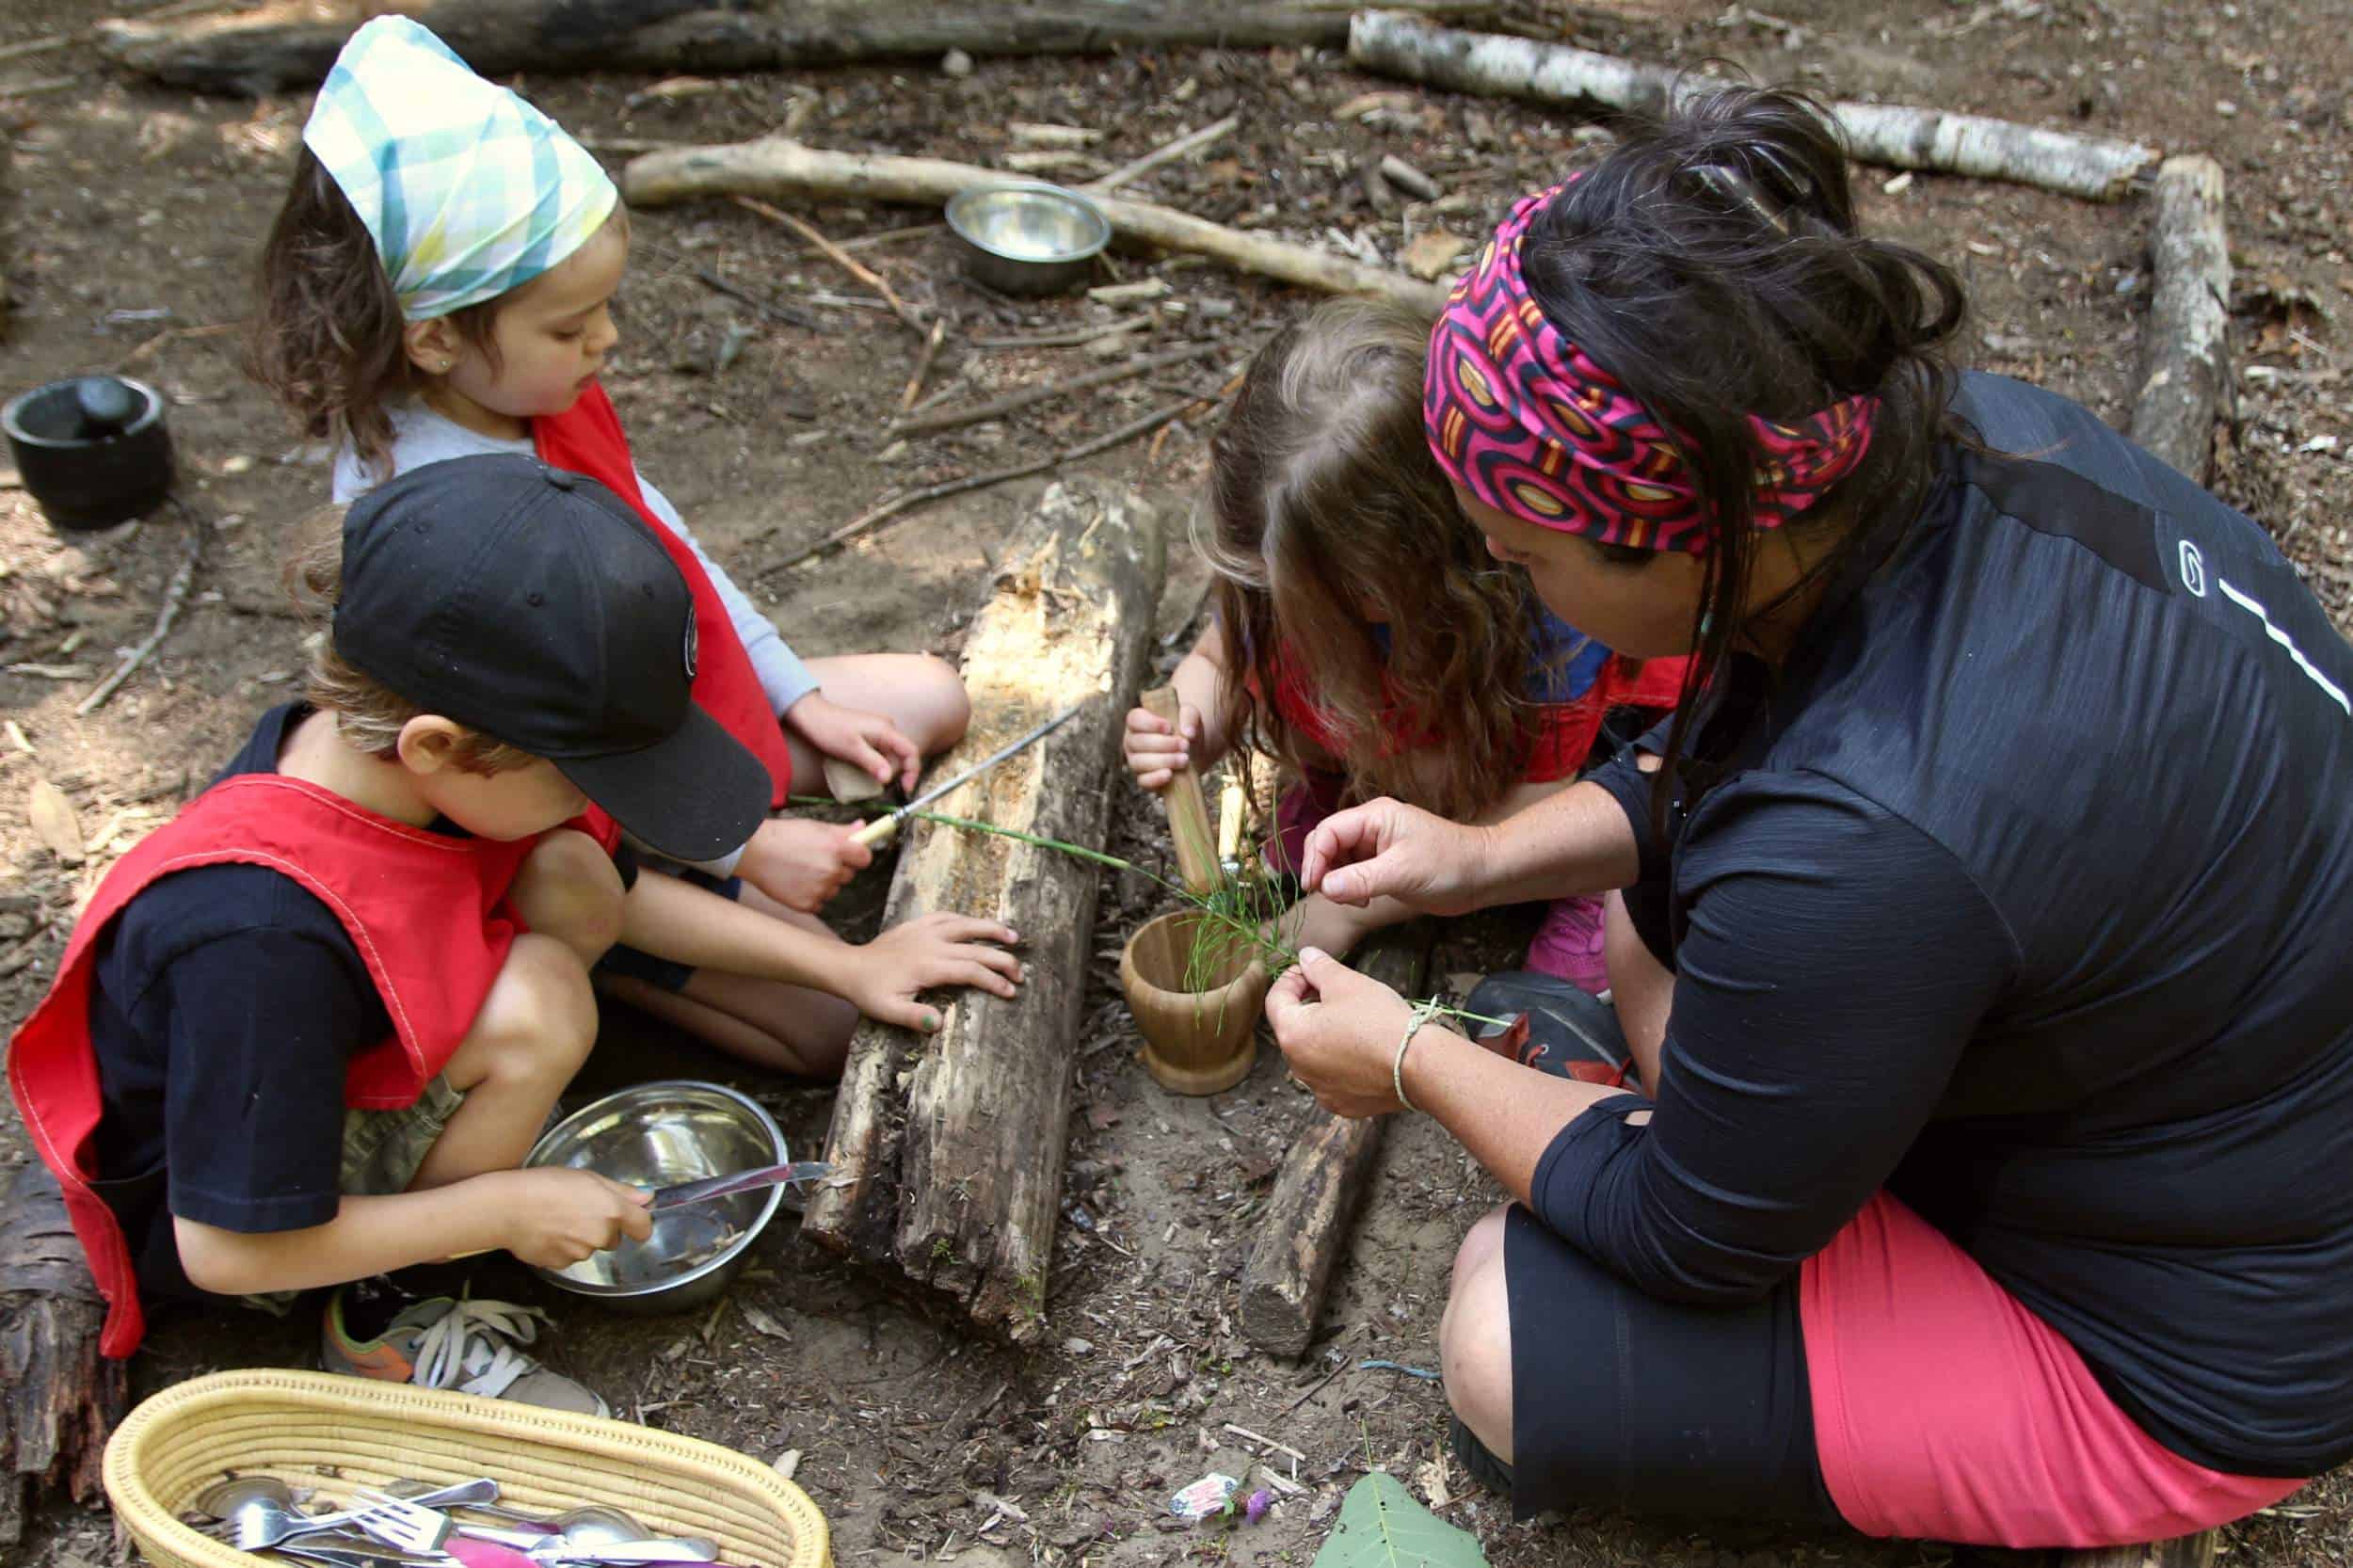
x=1383, y=1525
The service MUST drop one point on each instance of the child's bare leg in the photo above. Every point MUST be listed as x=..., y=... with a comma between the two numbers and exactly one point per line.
x=924, y=697
x=1642, y=989
x=788, y=1028
x=569, y=889
x=530, y=1036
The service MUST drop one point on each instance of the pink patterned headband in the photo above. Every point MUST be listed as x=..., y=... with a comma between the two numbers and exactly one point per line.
x=1519, y=417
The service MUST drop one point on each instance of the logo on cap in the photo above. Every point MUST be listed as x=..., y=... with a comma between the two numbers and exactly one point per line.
x=690, y=648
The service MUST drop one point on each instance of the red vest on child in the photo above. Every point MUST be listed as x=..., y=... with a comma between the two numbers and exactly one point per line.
x=425, y=911
x=587, y=438
x=1565, y=731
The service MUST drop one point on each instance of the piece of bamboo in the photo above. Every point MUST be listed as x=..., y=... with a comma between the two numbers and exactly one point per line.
x=1188, y=808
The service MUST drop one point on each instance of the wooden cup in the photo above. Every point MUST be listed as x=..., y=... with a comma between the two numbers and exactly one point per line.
x=1194, y=1042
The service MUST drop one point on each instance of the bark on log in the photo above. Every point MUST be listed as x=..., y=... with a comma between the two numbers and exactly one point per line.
x=293, y=45
x=2187, y=1551
x=1395, y=43
x=948, y=1150
x=60, y=1398
x=1305, y=1226
x=776, y=165
x=2185, y=342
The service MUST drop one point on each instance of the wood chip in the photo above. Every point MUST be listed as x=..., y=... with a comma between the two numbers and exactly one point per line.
x=1129, y=294
x=1433, y=253
x=54, y=820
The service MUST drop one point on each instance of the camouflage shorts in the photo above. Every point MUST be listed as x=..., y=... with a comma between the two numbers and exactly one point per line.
x=382, y=1152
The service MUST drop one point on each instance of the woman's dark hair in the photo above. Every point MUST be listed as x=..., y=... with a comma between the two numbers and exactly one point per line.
x=328, y=337
x=1712, y=263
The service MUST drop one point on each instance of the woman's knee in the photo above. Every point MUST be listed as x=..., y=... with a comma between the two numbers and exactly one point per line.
x=1483, y=1245
x=537, y=1023
x=1475, y=1343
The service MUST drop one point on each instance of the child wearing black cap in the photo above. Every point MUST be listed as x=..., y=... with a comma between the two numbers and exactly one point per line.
x=306, y=1031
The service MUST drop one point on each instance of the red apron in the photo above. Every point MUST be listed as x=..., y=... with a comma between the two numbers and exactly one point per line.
x=587, y=438
x=1565, y=731
x=425, y=911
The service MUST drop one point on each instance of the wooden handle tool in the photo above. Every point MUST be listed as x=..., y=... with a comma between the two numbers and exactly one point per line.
x=1188, y=808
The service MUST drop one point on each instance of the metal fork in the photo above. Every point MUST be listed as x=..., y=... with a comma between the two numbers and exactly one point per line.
x=399, y=1522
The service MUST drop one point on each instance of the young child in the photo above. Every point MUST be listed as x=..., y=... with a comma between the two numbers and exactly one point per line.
x=307, y=1031
x=1364, y=636
x=439, y=284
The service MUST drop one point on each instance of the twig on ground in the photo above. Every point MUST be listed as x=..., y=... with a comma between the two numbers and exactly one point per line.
x=1189, y=142
x=950, y=419
x=175, y=600
x=1069, y=337
x=923, y=365
x=877, y=516
x=788, y=314
x=840, y=258
x=31, y=89
x=38, y=45
x=168, y=334
x=1313, y=1389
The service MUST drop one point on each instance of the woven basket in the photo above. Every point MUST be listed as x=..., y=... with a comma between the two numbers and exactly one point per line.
x=335, y=1433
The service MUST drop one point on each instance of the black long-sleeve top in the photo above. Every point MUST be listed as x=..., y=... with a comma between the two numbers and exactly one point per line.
x=2026, y=892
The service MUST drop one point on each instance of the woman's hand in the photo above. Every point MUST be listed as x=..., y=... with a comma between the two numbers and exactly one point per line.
x=864, y=740
x=933, y=950
x=1385, y=848
x=1338, y=1029
x=1156, y=749
x=800, y=863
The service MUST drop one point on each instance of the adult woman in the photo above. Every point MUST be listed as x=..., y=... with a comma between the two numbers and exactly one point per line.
x=1981, y=943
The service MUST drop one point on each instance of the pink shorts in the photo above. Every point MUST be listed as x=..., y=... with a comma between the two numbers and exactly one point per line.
x=1945, y=1411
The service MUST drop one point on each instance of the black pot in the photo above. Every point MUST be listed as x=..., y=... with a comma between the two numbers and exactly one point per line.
x=92, y=451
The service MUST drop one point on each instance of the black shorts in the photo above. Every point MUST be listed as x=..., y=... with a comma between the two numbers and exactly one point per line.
x=625, y=961
x=1623, y=1400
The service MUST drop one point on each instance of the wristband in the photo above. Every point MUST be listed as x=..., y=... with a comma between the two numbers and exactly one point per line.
x=1423, y=1013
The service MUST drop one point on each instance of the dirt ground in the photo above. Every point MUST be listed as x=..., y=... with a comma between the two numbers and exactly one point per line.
x=135, y=215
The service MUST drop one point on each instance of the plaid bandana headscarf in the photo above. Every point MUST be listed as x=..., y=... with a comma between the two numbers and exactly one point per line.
x=1519, y=417
x=469, y=191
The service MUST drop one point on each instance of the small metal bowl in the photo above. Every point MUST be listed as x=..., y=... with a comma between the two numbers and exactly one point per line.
x=658, y=1135
x=1026, y=237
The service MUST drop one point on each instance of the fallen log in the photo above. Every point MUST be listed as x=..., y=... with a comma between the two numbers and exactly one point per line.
x=60, y=1398
x=777, y=165
x=1305, y=1229
x=948, y=1150
x=1397, y=44
x=2185, y=342
x=290, y=44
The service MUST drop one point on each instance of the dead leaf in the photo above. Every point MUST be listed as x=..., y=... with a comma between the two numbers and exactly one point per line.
x=1431, y=1478
x=761, y=1322
x=55, y=820
x=788, y=1463
x=1103, y=1115
x=1433, y=252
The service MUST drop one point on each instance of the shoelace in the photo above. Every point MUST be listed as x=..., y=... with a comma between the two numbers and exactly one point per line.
x=471, y=1348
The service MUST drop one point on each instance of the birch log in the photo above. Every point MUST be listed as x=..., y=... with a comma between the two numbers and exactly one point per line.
x=60, y=1398
x=777, y=166
x=948, y=1150
x=293, y=42
x=2185, y=344
x=1305, y=1229
x=1395, y=43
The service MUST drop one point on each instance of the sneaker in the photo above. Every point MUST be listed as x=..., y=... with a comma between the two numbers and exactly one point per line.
x=1569, y=944
x=1548, y=1023
x=460, y=1343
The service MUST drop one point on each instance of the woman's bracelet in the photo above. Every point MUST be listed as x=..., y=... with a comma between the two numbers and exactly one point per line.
x=1423, y=1013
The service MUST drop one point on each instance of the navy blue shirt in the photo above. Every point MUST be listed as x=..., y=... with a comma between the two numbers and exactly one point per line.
x=2024, y=892
x=226, y=1006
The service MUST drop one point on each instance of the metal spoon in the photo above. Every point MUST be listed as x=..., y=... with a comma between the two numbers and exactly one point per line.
x=598, y=1525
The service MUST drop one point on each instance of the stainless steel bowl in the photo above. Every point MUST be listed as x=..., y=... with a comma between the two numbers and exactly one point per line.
x=1026, y=237
x=658, y=1135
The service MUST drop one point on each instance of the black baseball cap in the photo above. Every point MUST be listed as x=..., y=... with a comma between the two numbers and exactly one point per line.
x=535, y=606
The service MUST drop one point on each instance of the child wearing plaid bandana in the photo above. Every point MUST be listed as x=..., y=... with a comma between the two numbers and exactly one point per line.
x=439, y=285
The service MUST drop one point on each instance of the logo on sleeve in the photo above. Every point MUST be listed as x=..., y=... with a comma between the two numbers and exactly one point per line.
x=2193, y=568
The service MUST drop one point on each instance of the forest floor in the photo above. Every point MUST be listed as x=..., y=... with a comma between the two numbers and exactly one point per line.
x=135, y=213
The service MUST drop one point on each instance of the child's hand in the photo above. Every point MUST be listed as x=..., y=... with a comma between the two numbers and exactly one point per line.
x=558, y=1216
x=802, y=864
x=1154, y=751
x=863, y=740
x=936, y=949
